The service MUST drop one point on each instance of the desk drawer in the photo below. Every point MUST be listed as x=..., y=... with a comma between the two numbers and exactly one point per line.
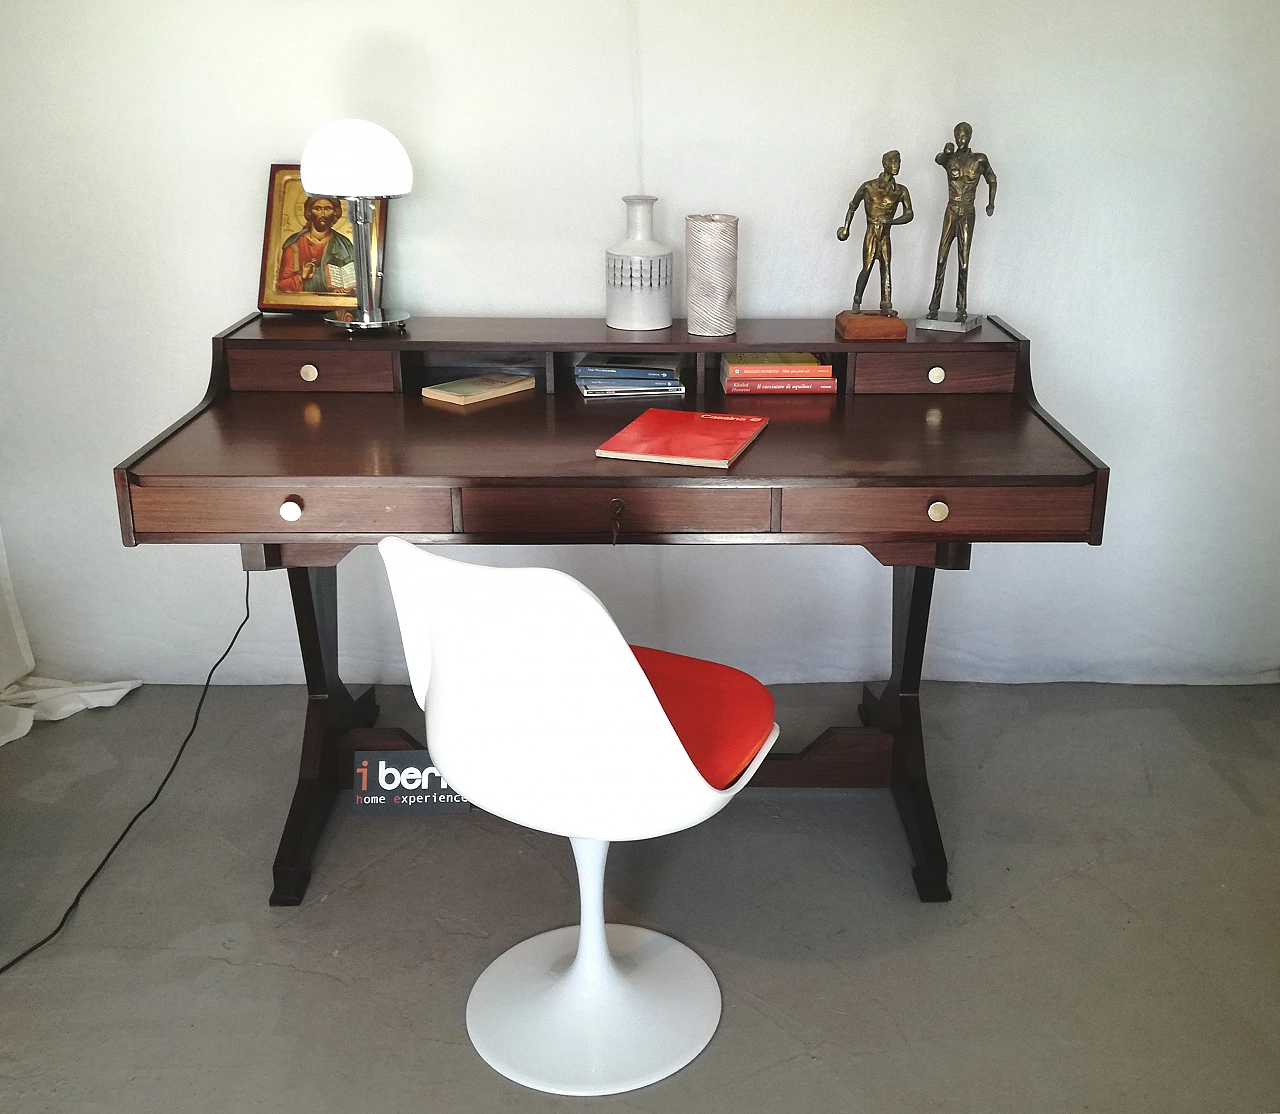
x=324, y=510
x=652, y=510
x=970, y=514
x=937, y=372
x=319, y=369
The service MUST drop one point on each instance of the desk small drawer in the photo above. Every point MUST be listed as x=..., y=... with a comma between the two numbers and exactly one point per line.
x=942, y=513
x=937, y=372
x=305, y=509
x=653, y=510
x=321, y=369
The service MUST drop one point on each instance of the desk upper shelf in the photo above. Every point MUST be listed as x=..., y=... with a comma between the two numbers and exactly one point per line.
x=590, y=334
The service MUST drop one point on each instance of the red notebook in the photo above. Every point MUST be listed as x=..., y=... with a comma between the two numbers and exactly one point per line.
x=684, y=437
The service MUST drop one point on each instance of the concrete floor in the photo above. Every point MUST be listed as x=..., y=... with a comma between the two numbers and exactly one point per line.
x=1113, y=944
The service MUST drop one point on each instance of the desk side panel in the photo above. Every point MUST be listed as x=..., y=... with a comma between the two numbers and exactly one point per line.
x=1025, y=387
x=218, y=385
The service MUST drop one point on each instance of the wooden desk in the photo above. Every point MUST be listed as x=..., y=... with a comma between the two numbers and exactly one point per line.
x=298, y=411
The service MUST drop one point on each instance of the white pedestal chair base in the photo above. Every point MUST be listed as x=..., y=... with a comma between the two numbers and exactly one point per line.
x=593, y=1028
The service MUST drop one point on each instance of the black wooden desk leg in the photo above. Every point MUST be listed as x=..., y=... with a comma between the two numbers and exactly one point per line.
x=331, y=712
x=897, y=710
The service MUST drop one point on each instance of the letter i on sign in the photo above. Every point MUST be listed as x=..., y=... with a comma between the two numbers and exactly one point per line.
x=364, y=776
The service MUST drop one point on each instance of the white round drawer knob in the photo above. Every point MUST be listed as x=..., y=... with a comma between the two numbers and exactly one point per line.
x=937, y=511
x=311, y=373
x=291, y=509
x=936, y=374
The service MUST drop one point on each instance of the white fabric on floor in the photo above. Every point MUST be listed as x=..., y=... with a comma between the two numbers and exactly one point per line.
x=23, y=698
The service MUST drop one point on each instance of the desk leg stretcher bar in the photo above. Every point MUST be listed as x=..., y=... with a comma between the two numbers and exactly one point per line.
x=888, y=752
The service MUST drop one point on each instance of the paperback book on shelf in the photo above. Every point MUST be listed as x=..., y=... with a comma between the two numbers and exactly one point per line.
x=623, y=389
x=477, y=388
x=783, y=386
x=685, y=437
x=773, y=365
x=639, y=366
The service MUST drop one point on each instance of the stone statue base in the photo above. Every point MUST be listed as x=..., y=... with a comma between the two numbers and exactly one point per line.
x=869, y=326
x=950, y=322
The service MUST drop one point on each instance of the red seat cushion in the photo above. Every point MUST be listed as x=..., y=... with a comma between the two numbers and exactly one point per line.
x=722, y=715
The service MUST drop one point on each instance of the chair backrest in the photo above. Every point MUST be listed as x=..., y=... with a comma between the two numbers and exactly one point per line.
x=536, y=708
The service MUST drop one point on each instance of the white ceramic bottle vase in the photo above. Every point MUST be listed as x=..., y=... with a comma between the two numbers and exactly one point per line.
x=638, y=273
x=711, y=265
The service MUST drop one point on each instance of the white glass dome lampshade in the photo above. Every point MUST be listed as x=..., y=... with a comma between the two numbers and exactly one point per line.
x=355, y=158
x=361, y=162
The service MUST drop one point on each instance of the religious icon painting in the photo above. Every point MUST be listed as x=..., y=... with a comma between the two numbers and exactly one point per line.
x=308, y=259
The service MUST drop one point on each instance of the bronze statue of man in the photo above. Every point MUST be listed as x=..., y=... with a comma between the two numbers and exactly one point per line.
x=964, y=167
x=881, y=196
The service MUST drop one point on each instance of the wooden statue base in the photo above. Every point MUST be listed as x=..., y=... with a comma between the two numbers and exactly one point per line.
x=869, y=326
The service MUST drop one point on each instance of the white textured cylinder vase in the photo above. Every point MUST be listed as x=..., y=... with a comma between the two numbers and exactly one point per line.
x=711, y=261
x=638, y=273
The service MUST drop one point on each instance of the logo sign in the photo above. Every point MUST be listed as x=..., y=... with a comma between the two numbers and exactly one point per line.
x=395, y=782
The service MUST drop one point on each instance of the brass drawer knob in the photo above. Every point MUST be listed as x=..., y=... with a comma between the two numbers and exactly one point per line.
x=291, y=509
x=310, y=373
x=937, y=374
x=938, y=511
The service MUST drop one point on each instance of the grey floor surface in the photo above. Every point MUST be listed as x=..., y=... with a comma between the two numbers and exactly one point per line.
x=1113, y=943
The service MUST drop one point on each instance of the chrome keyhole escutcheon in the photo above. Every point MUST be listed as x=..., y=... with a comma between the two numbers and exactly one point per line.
x=616, y=509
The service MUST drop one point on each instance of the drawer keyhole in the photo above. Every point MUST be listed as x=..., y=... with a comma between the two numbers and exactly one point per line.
x=616, y=509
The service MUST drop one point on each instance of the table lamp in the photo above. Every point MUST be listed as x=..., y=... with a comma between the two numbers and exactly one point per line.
x=359, y=161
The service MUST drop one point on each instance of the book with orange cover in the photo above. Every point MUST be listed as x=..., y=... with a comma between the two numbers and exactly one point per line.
x=773, y=365
x=684, y=437
x=785, y=385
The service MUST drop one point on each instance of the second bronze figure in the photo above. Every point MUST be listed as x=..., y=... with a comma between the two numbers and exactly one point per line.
x=964, y=167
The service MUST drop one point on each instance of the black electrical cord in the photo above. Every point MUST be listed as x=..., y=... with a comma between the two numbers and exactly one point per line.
x=154, y=797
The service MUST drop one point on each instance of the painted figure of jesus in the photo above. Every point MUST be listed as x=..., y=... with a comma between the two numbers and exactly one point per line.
x=311, y=258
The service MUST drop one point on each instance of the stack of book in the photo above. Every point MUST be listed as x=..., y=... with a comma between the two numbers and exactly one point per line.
x=781, y=373
x=600, y=375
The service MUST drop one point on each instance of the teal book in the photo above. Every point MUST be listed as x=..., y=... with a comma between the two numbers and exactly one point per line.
x=651, y=366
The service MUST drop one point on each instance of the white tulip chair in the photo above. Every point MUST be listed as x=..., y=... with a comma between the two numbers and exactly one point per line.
x=538, y=711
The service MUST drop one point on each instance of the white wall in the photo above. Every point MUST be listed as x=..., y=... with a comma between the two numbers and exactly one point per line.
x=1134, y=241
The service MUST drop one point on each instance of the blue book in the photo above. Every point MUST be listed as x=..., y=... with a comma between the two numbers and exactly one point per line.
x=601, y=364
x=620, y=381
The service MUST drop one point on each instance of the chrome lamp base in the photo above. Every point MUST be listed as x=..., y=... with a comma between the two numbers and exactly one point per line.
x=353, y=319
x=367, y=313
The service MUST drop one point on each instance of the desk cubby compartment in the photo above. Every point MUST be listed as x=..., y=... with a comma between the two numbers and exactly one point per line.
x=566, y=369
x=942, y=370
x=533, y=511
x=941, y=513
x=840, y=363
x=431, y=369
x=300, y=509
x=312, y=369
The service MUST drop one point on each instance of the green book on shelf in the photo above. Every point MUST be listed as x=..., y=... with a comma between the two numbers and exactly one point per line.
x=477, y=388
